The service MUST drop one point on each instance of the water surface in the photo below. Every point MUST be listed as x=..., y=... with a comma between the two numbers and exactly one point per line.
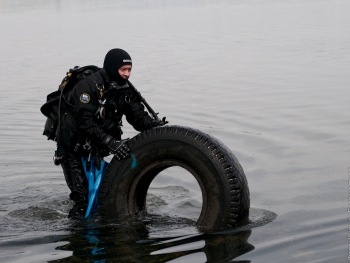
x=268, y=78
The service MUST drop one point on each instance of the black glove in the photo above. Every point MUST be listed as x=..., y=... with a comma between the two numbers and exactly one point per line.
x=163, y=122
x=119, y=148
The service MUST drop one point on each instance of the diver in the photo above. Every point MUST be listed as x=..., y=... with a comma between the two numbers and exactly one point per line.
x=93, y=127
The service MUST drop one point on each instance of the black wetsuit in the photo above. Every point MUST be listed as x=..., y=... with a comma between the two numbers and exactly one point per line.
x=98, y=106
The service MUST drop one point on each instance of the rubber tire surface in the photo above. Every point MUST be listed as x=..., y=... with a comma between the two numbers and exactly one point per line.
x=221, y=178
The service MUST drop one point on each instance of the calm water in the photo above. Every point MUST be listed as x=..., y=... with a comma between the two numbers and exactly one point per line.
x=269, y=78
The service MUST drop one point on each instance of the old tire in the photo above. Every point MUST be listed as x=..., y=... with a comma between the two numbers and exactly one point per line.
x=220, y=176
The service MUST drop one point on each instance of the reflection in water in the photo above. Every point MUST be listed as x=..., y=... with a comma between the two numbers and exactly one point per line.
x=159, y=239
x=134, y=244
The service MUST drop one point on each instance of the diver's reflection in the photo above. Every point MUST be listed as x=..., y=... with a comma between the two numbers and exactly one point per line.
x=132, y=243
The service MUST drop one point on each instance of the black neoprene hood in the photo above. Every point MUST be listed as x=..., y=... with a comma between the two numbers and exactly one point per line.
x=116, y=58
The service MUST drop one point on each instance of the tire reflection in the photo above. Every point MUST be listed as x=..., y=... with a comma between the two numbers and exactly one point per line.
x=133, y=243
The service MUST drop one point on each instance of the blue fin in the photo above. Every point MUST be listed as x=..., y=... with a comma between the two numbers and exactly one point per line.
x=94, y=177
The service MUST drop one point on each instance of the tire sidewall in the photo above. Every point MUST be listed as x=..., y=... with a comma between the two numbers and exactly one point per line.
x=126, y=182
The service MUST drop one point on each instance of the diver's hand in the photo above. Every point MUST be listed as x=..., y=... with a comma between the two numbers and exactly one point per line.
x=119, y=148
x=163, y=122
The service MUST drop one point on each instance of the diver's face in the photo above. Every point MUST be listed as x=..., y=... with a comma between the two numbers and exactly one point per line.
x=125, y=71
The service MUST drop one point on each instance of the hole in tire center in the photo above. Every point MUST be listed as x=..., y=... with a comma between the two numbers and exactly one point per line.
x=175, y=192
